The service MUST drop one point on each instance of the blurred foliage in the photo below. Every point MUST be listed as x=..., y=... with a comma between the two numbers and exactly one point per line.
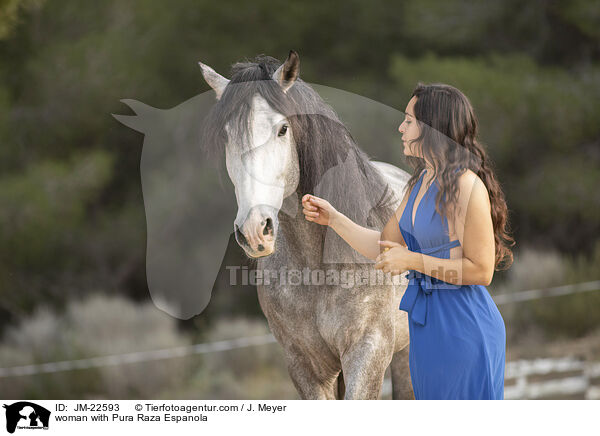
x=72, y=211
x=102, y=326
x=93, y=327
x=573, y=315
x=247, y=373
x=9, y=13
x=42, y=221
x=551, y=318
x=554, y=32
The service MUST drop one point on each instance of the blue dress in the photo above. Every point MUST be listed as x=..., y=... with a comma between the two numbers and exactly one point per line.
x=457, y=335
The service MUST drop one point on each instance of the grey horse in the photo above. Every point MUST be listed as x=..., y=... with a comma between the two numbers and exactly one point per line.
x=280, y=141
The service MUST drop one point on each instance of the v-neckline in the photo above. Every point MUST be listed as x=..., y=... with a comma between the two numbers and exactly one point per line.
x=413, y=212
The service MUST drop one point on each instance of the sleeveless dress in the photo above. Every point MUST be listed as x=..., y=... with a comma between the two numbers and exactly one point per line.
x=457, y=335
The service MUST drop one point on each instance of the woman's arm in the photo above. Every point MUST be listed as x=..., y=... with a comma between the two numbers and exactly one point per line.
x=461, y=271
x=362, y=239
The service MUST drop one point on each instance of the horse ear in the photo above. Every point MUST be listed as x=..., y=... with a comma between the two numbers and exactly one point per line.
x=214, y=79
x=288, y=72
x=143, y=117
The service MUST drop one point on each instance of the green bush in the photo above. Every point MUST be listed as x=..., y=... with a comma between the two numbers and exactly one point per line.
x=577, y=314
x=253, y=372
x=95, y=326
x=552, y=317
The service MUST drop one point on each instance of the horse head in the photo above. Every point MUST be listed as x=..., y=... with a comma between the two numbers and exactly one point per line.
x=253, y=111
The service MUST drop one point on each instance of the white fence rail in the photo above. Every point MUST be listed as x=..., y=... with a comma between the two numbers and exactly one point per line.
x=552, y=378
x=534, y=294
x=523, y=379
x=543, y=379
x=138, y=356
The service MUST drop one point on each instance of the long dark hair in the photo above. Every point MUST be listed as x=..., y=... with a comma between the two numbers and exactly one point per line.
x=448, y=140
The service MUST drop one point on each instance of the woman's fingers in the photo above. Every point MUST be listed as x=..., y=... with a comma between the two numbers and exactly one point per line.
x=311, y=202
x=388, y=244
x=306, y=203
x=314, y=208
x=317, y=201
x=310, y=212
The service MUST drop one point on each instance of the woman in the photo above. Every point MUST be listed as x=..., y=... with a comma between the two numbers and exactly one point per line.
x=450, y=234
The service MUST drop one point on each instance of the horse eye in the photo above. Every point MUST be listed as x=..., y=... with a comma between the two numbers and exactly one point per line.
x=283, y=130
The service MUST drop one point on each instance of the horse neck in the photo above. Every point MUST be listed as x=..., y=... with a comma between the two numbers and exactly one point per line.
x=302, y=237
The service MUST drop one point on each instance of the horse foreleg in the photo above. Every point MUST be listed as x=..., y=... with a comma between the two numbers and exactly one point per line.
x=364, y=367
x=308, y=383
x=401, y=383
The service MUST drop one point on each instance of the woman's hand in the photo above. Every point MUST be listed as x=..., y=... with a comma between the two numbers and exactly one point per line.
x=318, y=210
x=395, y=259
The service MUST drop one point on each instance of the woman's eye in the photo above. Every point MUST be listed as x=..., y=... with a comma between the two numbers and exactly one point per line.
x=283, y=130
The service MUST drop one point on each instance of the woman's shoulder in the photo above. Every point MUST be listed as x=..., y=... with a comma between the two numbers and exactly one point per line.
x=472, y=188
x=468, y=178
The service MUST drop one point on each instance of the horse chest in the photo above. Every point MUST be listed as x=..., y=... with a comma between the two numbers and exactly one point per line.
x=291, y=301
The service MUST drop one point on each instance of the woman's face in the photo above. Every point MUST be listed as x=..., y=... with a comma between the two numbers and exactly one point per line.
x=410, y=130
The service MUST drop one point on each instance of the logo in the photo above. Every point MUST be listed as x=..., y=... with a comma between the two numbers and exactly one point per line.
x=26, y=415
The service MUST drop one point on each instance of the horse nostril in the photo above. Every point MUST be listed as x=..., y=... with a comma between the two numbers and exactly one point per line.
x=261, y=247
x=269, y=227
x=240, y=236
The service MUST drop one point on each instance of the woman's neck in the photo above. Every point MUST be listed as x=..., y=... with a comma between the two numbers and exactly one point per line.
x=429, y=167
x=428, y=176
